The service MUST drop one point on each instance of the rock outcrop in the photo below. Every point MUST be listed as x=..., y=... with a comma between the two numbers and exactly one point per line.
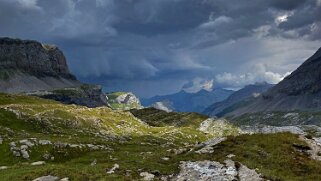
x=27, y=65
x=123, y=101
x=33, y=57
x=85, y=95
x=215, y=171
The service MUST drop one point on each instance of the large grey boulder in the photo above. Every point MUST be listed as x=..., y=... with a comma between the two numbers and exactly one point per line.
x=215, y=171
x=47, y=178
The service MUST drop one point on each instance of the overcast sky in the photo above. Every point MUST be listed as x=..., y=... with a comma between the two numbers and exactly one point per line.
x=154, y=47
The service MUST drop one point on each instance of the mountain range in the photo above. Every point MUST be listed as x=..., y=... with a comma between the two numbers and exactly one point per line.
x=248, y=92
x=189, y=102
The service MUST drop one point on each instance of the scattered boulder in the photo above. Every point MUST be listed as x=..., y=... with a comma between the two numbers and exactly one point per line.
x=23, y=147
x=44, y=142
x=3, y=167
x=317, y=141
x=27, y=142
x=147, y=176
x=47, y=178
x=230, y=156
x=165, y=158
x=16, y=153
x=46, y=156
x=38, y=163
x=208, y=145
x=25, y=154
x=215, y=171
x=1, y=140
x=12, y=144
x=93, y=163
x=204, y=171
x=112, y=170
x=64, y=179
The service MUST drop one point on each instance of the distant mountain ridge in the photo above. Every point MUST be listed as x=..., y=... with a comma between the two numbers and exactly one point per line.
x=301, y=90
x=190, y=102
x=240, y=95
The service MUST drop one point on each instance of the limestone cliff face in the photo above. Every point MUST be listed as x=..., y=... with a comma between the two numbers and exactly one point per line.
x=27, y=66
x=33, y=68
x=34, y=58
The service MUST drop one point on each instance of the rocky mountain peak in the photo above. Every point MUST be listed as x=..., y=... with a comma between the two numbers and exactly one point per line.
x=306, y=79
x=34, y=58
x=27, y=66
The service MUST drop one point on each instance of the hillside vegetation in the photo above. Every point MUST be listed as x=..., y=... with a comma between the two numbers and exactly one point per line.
x=83, y=143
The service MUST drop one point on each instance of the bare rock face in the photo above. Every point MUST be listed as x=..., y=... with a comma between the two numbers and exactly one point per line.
x=33, y=68
x=127, y=98
x=33, y=57
x=305, y=79
x=85, y=95
x=27, y=65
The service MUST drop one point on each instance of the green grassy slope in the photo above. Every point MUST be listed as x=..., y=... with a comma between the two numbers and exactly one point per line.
x=129, y=142
x=155, y=117
x=276, y=156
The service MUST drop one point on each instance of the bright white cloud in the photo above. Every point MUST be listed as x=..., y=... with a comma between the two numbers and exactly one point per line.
x=258, y=74
x=198, y=84
x=281, y=18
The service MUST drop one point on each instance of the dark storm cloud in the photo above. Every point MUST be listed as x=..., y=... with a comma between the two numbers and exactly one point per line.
x=133, y=44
